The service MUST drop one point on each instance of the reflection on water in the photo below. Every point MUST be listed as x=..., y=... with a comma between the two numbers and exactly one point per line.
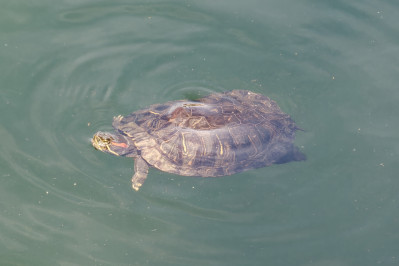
x=67, y=69
x=190, y=90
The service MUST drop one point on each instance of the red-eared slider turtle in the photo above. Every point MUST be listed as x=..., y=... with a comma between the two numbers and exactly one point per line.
x=218, y=135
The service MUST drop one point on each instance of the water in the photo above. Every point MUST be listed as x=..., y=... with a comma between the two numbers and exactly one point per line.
x=68, y=67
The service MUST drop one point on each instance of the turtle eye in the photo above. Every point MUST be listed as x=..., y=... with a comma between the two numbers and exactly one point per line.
x=107, y=141
x=103, y=142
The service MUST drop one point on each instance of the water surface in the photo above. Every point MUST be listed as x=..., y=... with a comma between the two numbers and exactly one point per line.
x=67, y=68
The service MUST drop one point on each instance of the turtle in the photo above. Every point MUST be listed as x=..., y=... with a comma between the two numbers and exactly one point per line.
x=217, y=135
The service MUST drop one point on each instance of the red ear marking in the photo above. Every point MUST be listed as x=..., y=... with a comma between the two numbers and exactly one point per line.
x=123, y=145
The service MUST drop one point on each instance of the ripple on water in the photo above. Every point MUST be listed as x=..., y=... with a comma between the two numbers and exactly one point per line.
x=109, y=60
x=88, y=76
x=190, y=90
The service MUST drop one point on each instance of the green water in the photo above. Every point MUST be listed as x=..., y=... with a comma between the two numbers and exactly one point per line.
x=68, y=67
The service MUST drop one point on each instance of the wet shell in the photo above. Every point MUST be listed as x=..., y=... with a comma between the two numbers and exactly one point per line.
x=221, y=134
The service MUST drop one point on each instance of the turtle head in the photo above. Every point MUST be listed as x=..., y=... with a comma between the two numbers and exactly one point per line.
x=115, y=144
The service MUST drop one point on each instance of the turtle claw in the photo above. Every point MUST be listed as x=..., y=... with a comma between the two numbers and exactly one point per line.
x=138, y=180
x=136, y=186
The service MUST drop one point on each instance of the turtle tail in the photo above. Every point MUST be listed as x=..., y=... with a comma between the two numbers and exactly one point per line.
x=294, y=155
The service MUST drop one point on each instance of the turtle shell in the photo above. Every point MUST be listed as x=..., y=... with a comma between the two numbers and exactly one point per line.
x=221, y=134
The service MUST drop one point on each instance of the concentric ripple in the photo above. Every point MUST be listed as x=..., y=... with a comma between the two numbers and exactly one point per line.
x=106, y=60
x=93, y=62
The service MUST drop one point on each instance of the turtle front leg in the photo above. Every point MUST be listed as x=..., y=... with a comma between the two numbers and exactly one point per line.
x=140, y=173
